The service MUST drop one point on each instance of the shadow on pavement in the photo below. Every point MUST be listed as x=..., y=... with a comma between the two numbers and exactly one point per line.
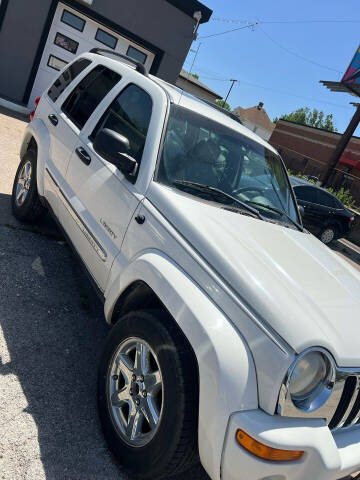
x=12, y=114
x=46, y=226
x=54, y=330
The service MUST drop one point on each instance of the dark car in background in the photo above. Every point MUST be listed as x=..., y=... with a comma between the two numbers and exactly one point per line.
x=324, y=215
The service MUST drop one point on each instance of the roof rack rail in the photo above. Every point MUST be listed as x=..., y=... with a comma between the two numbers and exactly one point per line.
x=222, y=110
x=139, y=66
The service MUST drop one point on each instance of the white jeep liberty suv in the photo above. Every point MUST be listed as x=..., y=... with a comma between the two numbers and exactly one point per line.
x=236, y=333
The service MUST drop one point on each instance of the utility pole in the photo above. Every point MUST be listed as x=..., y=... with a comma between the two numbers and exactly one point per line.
x=196, y=54
x=341, y=146
x=231, y=86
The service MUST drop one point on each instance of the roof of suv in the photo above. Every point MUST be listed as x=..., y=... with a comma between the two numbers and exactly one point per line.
x=180, y=97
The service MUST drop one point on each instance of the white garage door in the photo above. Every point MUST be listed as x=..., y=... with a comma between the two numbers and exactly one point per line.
x=72, y=33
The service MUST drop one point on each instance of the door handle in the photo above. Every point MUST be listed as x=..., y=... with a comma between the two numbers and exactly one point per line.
x=53, y=119
x=83, y=155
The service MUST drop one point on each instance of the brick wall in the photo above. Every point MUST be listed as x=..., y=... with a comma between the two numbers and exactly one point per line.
x=308, y=150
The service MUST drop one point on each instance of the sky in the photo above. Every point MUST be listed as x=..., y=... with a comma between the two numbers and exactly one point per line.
x=325, y=33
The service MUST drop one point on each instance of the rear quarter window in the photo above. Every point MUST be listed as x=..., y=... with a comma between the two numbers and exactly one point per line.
x=307, y=194
x=326, y=199
x=87, y=95
x=67, y=77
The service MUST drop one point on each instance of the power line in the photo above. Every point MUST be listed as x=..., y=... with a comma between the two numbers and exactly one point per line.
x=290, y=52
x=228, y=31
x=230, y=20
x=312, y=21
x=296, y=54
x=274, y=41
x=282, y=92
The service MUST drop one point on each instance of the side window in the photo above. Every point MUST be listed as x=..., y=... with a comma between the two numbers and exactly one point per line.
x=56, y=63
x=308, y=194
x=87, y=95
x=66, y=43
x=326, y=199
x=129, y=115
x=105, y=38
x=73, y=20
x=136, y=54
x=67, y=77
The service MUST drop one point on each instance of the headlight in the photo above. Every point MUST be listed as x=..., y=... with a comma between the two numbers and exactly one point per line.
x=309, y=381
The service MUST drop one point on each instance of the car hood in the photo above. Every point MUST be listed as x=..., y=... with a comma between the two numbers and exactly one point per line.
x=304, y=290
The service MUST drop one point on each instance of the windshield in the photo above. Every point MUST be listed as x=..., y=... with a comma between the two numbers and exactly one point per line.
x=198, y=149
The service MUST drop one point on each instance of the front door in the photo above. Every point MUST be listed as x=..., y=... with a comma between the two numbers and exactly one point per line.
x=102, y=198
x=73, y=33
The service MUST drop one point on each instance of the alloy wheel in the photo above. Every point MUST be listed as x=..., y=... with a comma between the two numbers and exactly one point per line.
x=135, y=391
x=23, y=183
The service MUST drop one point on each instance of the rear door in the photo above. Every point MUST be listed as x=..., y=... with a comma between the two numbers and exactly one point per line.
x=327, y=206
x=101, y=200
x=306, y=196
x=71, y=112
x=62, y=135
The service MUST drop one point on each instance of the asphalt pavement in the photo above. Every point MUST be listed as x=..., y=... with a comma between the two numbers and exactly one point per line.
x=52, y=330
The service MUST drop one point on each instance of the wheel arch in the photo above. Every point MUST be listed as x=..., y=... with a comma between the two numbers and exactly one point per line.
x=225, y=363
x=29, y=143
x=137, y=295
x=37, y=137
x=339, y=227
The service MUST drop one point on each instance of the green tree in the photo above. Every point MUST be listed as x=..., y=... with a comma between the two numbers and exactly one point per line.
x=312, y=118
x=195, y=75
x=223, y=105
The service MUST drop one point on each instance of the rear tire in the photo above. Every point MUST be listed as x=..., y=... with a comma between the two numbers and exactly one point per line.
x=171, y=447
x=25, y=201
x=328, y=235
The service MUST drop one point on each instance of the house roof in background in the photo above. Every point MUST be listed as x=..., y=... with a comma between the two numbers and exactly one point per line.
x=190, y=78
x=191, y=6
x=255, y=115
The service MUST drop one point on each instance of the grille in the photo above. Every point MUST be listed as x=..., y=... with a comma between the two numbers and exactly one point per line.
x=347, y=412
x=341, y=409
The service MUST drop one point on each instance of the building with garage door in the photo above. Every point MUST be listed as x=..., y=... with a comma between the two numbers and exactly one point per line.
x=39, y=37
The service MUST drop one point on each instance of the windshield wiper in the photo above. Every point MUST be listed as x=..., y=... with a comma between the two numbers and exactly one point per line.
x=280, y=212
x=216, y=192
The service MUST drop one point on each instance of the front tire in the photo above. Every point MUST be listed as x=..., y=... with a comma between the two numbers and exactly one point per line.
x=25, y=201
x=148, y=396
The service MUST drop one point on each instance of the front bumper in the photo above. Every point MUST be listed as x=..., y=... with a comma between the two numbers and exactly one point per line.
x=327, y=456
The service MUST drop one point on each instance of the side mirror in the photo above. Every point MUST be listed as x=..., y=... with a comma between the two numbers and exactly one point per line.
x=301, y=211
x=113, y=147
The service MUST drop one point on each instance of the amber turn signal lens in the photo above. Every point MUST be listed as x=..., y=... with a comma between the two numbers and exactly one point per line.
x=263, y=451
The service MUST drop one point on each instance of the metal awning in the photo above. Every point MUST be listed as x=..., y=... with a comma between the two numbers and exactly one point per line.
x=353, y=89
x=349, y=162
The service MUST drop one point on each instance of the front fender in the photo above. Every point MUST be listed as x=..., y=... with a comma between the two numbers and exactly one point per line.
x=37, y=130
x=226, y=368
